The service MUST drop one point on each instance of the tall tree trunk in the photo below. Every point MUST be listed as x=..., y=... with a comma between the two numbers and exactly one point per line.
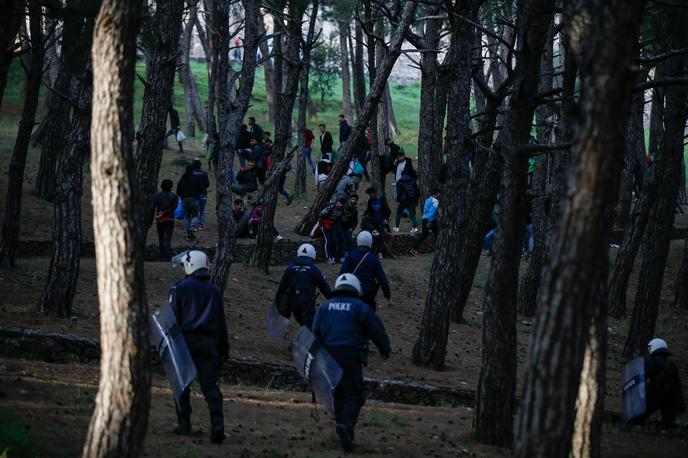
x=603, y=40
x=63, y=272
x=358, y=69
x=658, y=234
x=376, y=91
x=157, y=95
x=13, y=14
x=52, y=62
x=429, y=145
x=118, y=425
x=495, y=406
x=344, y=32
x=306, y=48
x=635, y=155
x=192, y=100
x=376, y=178
x=431, y=344
x=383, y=131
x=391, y=117
x=287, y=96
x=587, y=432
x=268, y=71
x=229, y=134
x=544, y=114
x=681, y=283
x=211, y=52
x=12, y=218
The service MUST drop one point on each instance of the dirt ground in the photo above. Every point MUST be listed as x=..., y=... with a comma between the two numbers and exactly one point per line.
x=55, y=402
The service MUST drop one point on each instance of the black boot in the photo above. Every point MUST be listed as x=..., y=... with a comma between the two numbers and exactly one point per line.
x=345, y=437
x=217, y=435
x=183, y=426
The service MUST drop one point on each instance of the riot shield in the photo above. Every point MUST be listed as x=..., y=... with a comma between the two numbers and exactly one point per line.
x=633, y=399
x=276, y=323
x=174, y=354
x=317, y=367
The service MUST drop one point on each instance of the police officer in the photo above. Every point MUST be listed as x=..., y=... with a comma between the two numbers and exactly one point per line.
x=198, y=308
x=296, y=291
x=363, y=263
x=662, y=385
x=343, y=326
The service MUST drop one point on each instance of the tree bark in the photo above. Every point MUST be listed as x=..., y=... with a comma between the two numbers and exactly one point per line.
x=603, y=39
x=192, y=100
x=13, y=14
x=544, y=114
x=376, y=91
x=283, y=121
x=119, y=421
x=660, y=226
x=431, y=343
x=211, y=52
x=231, y=122
x=358, y=69
x=12, y=218
x=344, y=32
x=587, y=432
x=376, y=178
x=306, y=48
x=63, y=272
x=497, y=385
x=269, y=72
x=681, y=283
x=157, y=95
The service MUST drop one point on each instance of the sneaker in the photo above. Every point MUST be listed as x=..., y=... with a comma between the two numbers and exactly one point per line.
x=395, y=230
x=345, y=437
x=331, y=261
x=202, y=227
x=278, y=238
x=413, y=231
x=183, y=427
x=290, y=199
x=414, y=252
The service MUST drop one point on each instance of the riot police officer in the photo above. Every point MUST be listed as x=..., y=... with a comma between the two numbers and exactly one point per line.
x=363, y=263
x=199, y=310
x=343, y=325
x=297, y=289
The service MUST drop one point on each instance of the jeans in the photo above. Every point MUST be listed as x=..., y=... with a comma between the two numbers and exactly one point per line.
x=201, y=209
x=412, y=213
x=165, y=229
x=307, y=154
x=489, y=240
x=190, y=206
x=206, y=357
x=426, y=228
x=280, y=188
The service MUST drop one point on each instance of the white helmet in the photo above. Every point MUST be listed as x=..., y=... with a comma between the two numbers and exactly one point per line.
x=657, y=344
x=364, y=238
x=306, y=250
x=348, y=283
x=196, y=263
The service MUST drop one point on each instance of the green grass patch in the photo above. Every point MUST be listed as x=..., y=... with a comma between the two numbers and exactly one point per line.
x=15, y=439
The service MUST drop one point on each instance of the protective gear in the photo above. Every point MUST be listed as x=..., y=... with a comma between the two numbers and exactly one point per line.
x=196, y=263
x=364, y=238
x=368, y=268
x=306, y=250
x=297, y=290
x=657, y=344
x=348, y=283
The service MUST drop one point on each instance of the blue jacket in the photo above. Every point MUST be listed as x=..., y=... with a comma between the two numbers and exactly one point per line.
x=299, y=282
x=198, y=308
x=430, y=208
x=369, y=272
x=346, y=321
x=344, y=131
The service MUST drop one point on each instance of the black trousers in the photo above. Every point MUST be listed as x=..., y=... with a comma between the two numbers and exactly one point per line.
x=426, y=227
x=205, y=355
x=349, y=397
x=165, y=229
x=665, y=406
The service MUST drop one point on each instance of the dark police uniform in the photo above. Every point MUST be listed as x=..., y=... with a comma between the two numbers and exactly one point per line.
x=363, y=263
x=296, y=291
x=343, y=326
x=200, y=314
x=663, y=389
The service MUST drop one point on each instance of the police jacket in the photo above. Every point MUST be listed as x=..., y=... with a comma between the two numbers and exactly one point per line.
x=663, y=381
x=367, y=267
x=298, y=284
x=203, y=177
x=198, y=308
x=346, y=321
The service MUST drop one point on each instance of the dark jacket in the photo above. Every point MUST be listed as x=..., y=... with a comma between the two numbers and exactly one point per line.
x=166, y=202
x=174, y=119
x=298, y=284
x=203, y=176
x=244, y=139
x=369, y=272
x=332, y=214
x=257, y=132
x=248, y=179
x=190, y=186
x=380, y=204
x=407, y=190
x=394, y=151
x=344, y=131
x=326, y=143
x=198, y=308
x=663, y=382
x=346, y=321
x=350, y=217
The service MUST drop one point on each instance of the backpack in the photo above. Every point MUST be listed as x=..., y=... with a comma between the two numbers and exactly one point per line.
x=357, y=168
